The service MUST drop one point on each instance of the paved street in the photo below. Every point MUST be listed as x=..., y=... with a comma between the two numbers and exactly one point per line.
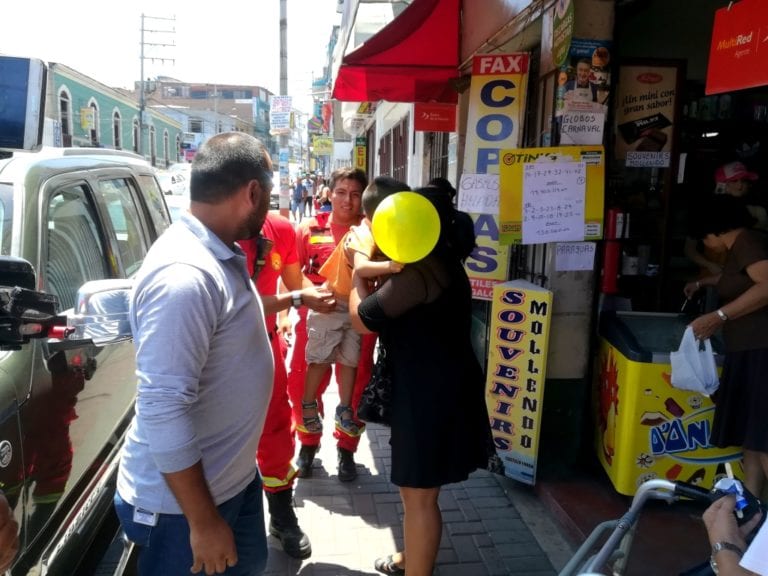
x=491, y=525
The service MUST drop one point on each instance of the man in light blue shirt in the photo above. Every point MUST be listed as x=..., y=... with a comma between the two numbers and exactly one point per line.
x=187, y=472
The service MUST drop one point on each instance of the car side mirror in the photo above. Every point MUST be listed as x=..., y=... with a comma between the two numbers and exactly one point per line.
x=101, y=312
x=100, y=316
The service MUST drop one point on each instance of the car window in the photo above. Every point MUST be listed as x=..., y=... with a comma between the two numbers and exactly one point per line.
x=75, y=252
x=126, y=222
x=155, y=203
x=6, y=218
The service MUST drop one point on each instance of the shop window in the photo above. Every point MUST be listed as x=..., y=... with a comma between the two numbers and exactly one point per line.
x=438, y=154
x=400, y=141
x=385, y=155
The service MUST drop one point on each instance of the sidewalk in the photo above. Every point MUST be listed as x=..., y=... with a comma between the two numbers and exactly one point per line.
x=491, y=525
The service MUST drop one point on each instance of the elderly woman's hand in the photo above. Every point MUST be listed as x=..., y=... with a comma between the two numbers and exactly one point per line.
x=706, y=325
x=691, y=288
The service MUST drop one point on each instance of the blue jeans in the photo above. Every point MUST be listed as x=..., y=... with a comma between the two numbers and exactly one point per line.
x=164, y=549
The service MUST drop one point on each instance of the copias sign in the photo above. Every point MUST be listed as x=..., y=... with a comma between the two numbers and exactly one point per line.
x=496, y=107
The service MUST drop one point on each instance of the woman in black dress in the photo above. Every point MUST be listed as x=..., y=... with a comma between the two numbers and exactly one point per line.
x=742, y=286
x=440, y=426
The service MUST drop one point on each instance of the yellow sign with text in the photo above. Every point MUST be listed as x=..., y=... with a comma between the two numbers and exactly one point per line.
x=495, y=116
x=517, y=361
x=511, y=187
x=361, y=155
x=322, y=145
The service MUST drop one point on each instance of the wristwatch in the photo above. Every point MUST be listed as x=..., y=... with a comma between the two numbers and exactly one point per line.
x=296, y=299
x=722, y=315
x=720, y=546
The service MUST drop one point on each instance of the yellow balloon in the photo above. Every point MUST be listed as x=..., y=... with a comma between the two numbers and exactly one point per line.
x=406, y=227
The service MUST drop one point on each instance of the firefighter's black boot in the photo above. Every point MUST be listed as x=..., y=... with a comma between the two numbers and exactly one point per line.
x=347, y=466
x=304, y=461
x=284, y=525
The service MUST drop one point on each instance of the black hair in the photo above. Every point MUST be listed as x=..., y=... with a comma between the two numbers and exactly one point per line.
x=457, y=231
x=225, y=163
x=718, y=214
x=443, y=184
x=348, y=174
x=380, y=188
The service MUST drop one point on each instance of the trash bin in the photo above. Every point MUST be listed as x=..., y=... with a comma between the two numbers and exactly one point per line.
x=645, y=428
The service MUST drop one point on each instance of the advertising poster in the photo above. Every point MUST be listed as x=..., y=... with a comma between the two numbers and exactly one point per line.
x=322, y=145
x=513, y=192
x=584, y=81
x=645, y=114
x=645, y=428
x=434, y=117
x=495, y=116
x=517, y=361
x=361, y=156
x=737, y=56
x=562, y=32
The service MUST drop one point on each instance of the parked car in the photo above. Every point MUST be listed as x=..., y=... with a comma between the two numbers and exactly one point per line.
x=77, y=215
x=177, y=205
x=173, y=182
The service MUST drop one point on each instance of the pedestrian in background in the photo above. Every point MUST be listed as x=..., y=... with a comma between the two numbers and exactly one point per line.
x=297, y=199
x=436, y=382
x=189, y=494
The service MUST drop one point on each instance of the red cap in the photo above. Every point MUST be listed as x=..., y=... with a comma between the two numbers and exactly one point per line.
x=733, y=171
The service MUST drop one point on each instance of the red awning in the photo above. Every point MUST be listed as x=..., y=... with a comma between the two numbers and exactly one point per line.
x=411, y=59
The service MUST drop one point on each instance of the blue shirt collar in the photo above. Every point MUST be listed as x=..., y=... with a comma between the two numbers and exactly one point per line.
x=209, y=239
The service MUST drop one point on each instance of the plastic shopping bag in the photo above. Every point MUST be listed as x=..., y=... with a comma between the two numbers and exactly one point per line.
x=693, y=365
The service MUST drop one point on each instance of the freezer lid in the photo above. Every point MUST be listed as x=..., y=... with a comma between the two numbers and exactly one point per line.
x=647, y=336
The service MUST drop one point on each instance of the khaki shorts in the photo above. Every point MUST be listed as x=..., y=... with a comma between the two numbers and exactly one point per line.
x=331, y=338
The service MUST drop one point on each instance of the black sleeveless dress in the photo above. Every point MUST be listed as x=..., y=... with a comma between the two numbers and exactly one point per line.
x=440, y=425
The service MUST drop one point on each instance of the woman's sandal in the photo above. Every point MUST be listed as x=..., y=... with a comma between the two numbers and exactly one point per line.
x=312, y=423
x=387, y=565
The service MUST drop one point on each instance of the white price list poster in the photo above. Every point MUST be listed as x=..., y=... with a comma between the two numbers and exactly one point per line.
x=553, y=202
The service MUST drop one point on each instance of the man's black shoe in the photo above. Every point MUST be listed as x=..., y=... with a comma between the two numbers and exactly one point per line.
x=347, y=466
x=304, y=461
x=284, y=525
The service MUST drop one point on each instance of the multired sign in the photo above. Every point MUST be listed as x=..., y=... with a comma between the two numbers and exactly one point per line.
x=738, y=56
x=434, y=117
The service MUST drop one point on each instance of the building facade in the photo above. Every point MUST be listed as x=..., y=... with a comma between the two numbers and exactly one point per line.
x=80, y=111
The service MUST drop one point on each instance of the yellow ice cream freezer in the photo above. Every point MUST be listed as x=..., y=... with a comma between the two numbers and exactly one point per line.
x=645, y=428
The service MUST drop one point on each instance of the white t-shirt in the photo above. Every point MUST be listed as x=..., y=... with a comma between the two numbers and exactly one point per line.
x=756, y=557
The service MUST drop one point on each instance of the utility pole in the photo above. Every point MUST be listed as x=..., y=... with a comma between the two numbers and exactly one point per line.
x=142, y=87
x=285, y=201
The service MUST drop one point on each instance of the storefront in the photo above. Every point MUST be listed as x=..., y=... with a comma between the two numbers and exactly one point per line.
x=628, y=78
x=701, y=132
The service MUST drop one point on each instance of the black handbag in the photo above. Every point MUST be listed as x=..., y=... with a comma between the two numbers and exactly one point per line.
x=376, y=402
